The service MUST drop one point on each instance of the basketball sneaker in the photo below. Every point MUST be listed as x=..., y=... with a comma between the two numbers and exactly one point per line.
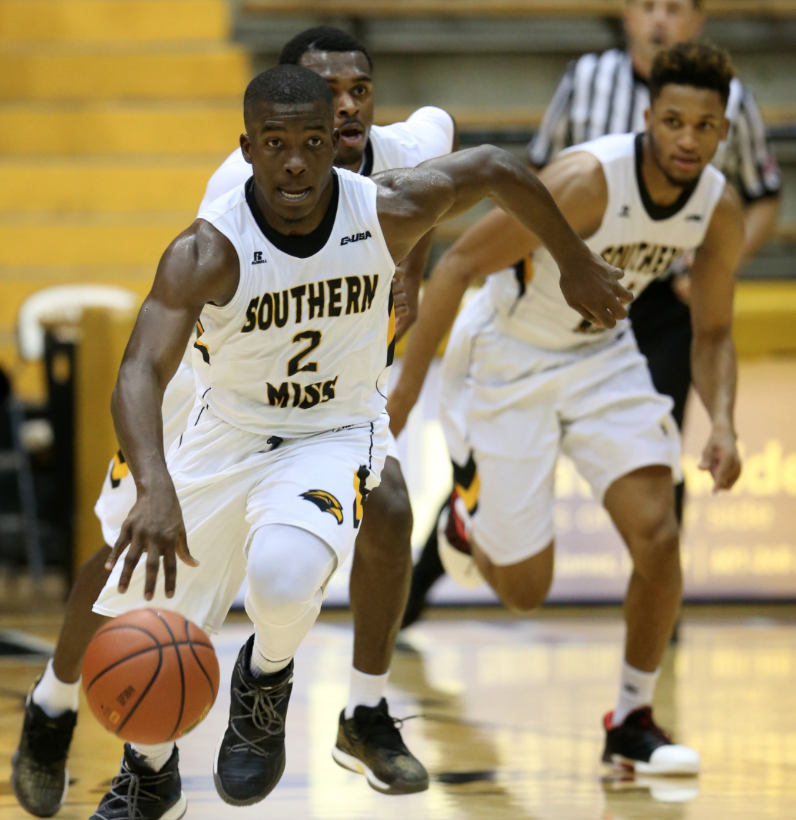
x=455, y=551
x=141, y=793
x=39, y=776
x=640, y=745
x=250, y=757
x=370, y=743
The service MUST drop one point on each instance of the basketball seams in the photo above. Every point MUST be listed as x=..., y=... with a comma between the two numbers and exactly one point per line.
x=182, y=671
x=196, y=658
x=144, y=693
x=138, y=654
x=112, y=627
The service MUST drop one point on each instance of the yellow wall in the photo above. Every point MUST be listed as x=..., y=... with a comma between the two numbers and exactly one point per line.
x=113, y=114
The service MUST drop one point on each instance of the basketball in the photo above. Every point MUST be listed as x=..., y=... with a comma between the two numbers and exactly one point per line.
x=150, y=676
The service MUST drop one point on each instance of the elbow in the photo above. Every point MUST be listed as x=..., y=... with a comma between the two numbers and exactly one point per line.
x=455, y=268
x=712, y=338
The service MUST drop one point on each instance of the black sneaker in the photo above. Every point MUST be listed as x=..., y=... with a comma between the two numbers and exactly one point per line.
x=39, y=776
x=250, y=757
x=640, y=745
x=138, y=793
x=371, y=744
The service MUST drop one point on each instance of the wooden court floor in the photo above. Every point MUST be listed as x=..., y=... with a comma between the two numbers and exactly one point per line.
x=508, y=723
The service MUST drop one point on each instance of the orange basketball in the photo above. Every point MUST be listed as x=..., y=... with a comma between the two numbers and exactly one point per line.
x=150, y=676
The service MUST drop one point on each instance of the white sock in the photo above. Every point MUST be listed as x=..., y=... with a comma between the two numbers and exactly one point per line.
x=366, y=690
x=55, y=697
x=261, y=665
x=155, y=756
x=635, y=690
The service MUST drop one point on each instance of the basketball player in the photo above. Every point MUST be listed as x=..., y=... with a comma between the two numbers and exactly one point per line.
x=382, y=559
x=525, y=377
x=608, y=94
x=287, y=278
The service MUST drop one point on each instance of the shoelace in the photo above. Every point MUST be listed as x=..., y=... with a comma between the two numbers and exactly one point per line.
x=128, y=788
x=381, y=727
x=263, y=715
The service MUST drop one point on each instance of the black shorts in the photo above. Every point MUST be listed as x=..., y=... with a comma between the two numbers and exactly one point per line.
x=662, y=325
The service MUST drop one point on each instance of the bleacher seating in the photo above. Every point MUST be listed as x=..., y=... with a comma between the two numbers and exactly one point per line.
x=493, y=8
x=113, y=114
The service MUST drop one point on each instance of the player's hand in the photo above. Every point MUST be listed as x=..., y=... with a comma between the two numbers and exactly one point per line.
x=592, y=287
x=405, y=305
x=155, y=527
x=720, y=458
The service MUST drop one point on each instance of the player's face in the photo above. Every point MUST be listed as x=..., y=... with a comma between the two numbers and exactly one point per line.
x=291, y=149
x=348, y=75
x=685, y=126
x=653, y=25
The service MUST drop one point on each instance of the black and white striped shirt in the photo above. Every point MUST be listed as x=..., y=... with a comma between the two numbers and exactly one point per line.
x=602, y=94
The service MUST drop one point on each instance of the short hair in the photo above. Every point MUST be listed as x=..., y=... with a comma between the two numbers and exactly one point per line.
x=285, y=84
x=321, y=38
x=700, y=65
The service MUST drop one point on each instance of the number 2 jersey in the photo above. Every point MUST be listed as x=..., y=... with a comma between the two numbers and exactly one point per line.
x=636, y=235
x=306, y=343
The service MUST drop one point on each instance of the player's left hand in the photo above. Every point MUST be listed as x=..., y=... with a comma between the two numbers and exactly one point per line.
x=720, y=457
x=591, y=286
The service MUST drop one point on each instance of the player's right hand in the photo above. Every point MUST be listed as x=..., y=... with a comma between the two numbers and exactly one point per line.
x=154, y=526
x=592, y=288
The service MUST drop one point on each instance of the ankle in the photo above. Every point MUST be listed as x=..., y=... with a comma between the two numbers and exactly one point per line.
x=366, y=690
x=154, y=756
x=262, y=665
x=54, y=696
x=636, y=689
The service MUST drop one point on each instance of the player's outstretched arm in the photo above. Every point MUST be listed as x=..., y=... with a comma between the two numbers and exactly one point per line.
x=200, y=266
x=713, y=361
x=411, y=201
x=576, y=183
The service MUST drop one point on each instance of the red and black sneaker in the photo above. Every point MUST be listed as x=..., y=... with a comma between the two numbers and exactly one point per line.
x=455, y=551
x=640, y=745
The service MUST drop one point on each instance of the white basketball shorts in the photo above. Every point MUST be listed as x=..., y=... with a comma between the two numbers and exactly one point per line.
x=118, y=490
x=231, y=482
x=509, y=409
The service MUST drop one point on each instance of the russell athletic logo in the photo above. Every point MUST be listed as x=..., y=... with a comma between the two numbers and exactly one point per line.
x=258, y=258
x=325, y=502
x=355, y=237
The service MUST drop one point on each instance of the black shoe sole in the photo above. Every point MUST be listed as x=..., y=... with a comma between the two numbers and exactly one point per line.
x=233, y=801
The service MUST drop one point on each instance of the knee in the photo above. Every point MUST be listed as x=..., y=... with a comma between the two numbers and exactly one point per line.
x=524, y=587
x=656, y=546
x=387, y=524
x=525, y=600
x=283, y=577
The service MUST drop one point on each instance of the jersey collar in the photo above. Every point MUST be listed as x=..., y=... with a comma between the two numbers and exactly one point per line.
x=658, y=212
x=301, y=247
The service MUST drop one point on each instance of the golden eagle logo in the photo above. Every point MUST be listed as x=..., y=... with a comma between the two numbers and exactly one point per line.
x=325, y=502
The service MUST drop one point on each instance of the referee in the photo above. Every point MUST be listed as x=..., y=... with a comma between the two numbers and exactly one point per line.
x=608, y=94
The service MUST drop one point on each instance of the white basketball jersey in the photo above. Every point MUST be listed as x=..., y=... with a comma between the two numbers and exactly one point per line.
x=636, y=235
x=306, y=343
